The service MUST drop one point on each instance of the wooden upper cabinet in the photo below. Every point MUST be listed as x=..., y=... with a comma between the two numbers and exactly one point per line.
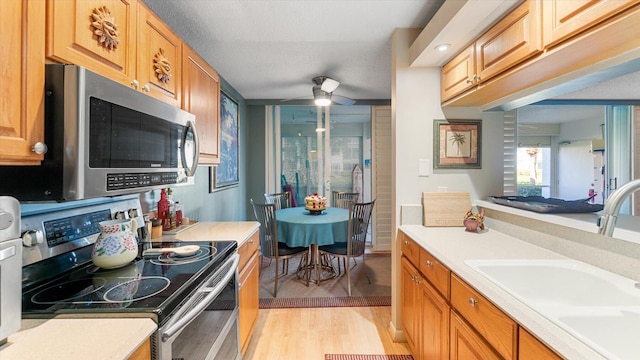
x=201, y=97
x=97, y=34
x=512, y=40
x=118, y=39
x=159, y=58
x=509, y=42
x=459, y=74
x=563, y=19
x=22, y=86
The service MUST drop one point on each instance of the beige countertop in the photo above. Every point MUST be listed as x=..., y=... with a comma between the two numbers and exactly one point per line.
x=107, y=338
x=239, y=231
x=77, y=339
x=452, y=246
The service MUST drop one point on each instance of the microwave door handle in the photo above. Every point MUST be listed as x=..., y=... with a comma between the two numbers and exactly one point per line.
x=196, y=309
x=191, y=170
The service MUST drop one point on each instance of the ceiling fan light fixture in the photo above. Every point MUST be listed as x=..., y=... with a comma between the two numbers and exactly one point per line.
x=321, y=97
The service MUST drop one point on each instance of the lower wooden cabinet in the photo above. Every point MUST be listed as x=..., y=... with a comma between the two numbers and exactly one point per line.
x=488, y=320
x=466, y=344
x=434, y=340
x=530, y=348
x=410, y=302
x=143, y=352
x=443, y=317
x=425, y=315
x=248, y=289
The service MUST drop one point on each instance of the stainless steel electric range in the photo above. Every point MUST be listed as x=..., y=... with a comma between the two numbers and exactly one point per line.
x=193, y=299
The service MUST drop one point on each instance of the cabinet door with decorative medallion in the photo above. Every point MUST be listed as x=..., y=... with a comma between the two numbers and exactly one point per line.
x=159, y=58
x=97, y=34
x=21, y=89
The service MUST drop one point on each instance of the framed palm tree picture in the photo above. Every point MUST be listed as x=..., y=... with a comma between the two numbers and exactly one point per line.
x=457, y=144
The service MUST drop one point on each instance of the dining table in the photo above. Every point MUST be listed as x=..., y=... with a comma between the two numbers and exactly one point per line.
x=298, y=227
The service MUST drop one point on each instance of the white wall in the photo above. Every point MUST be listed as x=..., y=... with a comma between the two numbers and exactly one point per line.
x=415, y=102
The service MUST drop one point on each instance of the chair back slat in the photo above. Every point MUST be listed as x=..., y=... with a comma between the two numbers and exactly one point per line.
x=266, y=215
x=280, y=200
x=343, y=199
x=359, y=217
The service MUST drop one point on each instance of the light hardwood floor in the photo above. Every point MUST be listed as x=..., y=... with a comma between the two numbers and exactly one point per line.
x=309, y=333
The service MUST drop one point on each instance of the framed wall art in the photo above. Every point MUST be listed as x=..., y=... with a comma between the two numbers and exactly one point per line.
x=226, y=173
x=457, y=144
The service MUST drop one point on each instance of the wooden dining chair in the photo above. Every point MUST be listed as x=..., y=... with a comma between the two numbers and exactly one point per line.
x=359, y=217
x=280, y=200
x=271, y=248
x=341, y=199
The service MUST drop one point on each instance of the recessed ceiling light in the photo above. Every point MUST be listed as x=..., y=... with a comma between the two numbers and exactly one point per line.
x=443, y=47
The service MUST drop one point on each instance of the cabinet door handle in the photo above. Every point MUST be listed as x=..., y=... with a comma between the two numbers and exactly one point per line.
x=469, y=81
x=146, y=88
x=429, y=263
x=135, y=84
x=473, y=302
x=406, y=242
x=40, y=148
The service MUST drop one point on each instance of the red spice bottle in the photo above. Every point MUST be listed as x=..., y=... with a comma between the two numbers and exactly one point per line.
x=163, y=210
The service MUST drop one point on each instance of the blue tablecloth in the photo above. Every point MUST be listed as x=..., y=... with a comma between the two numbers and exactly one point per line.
x=296, y=227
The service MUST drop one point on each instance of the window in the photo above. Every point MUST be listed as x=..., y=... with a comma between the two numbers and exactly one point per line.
x=533, y=171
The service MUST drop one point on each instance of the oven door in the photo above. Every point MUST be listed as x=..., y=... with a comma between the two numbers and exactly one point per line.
x=206, y=324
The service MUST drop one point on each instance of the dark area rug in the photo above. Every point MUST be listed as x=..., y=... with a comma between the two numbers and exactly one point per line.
x=366, y=357
x=360, y=301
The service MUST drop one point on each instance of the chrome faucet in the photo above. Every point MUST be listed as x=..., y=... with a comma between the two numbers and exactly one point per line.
x=607, y=222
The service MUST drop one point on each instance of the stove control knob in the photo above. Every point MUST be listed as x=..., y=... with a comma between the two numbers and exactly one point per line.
x=32, y=238
x=119, y=215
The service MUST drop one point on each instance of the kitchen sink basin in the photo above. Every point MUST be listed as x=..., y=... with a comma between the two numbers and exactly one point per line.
x=559, y=282
x=613, y=332
x=600, y=308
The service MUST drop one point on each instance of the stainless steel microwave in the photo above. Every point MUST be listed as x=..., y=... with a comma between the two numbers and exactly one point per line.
x=104, y=139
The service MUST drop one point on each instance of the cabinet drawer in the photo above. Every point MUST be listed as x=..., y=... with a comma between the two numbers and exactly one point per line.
x=489, y=321
x=247, y=249
x=410, y=249
x=437, y=274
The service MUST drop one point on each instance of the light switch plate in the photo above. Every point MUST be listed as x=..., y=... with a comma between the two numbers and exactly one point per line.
x=424, y=168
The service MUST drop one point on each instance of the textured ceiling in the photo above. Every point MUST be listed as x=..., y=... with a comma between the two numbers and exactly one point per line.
x=271, y=49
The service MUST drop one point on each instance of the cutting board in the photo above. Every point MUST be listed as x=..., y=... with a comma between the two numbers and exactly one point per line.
x=445, y=208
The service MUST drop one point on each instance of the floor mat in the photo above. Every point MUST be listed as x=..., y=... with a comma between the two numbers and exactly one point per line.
x=366, y=357
x=283, y=303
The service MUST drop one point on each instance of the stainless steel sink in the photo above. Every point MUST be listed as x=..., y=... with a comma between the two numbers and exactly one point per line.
x=598, y=307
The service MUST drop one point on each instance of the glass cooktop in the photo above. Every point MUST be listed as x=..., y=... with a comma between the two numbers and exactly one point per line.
x=151, y=284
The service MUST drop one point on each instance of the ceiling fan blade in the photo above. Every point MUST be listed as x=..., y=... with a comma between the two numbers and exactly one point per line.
x=342, y=100
x=329, y=85
x=298, y=98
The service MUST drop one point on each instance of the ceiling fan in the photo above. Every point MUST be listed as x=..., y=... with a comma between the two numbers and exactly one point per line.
x=323, y=92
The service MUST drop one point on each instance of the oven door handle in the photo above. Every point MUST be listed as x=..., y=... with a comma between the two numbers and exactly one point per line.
x=195, y=309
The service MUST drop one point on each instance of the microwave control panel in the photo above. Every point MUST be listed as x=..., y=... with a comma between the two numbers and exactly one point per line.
x=135, y=180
